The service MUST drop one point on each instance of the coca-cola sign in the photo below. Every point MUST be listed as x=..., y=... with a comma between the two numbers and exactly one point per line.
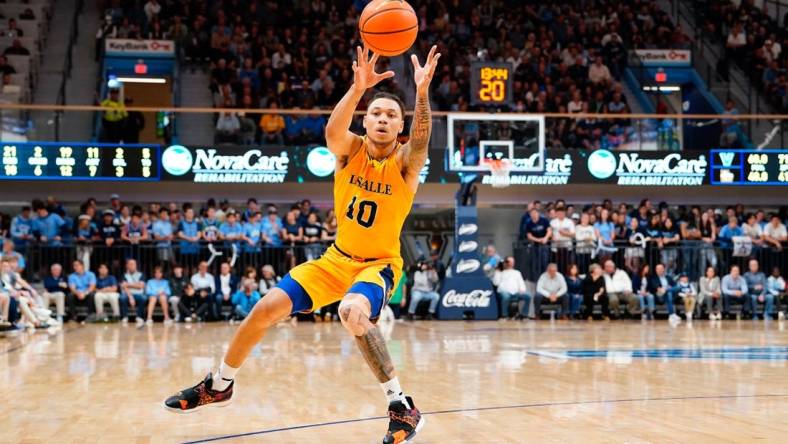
x=472, y=299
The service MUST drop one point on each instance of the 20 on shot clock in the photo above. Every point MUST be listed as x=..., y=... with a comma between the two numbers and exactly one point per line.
x=79, y=161
x=491, y=83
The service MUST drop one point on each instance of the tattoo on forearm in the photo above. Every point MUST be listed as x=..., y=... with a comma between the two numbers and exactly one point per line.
x=373, y=347
x=422, y=124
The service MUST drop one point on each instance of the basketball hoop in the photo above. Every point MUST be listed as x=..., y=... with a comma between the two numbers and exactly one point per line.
x=499, y=172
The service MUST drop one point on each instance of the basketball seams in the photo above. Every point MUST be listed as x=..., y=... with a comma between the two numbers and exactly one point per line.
x=389, y=32
x=383, y=51
x=361, y=27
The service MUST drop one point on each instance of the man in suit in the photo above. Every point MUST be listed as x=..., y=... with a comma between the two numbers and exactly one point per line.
x=663, y=287
x=226, y=285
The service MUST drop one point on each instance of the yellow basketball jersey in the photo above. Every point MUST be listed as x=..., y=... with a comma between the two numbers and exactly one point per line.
x=371, y=200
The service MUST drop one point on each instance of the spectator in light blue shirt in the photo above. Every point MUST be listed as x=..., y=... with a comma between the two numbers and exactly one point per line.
x=158, y=289
x=189, y=232
x=49, y=227
x=252, y=234
x=82, y=284
x=22, y=228
x=244, y=299
x=728, y=232
x=132, y=291
x=231, y=230
x=734, y=287
x=271, y=228
x=162, y=234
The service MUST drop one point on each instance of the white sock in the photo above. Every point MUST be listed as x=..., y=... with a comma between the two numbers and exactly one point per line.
x=224, y=377
x=393, y=391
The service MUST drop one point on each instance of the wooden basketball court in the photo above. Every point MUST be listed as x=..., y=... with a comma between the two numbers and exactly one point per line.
x=477, y=382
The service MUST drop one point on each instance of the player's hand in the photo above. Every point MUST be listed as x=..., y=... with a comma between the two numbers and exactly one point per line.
x=364, y=75
x=422, y=75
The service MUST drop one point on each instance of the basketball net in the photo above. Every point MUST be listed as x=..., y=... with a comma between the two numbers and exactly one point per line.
x=499, y=172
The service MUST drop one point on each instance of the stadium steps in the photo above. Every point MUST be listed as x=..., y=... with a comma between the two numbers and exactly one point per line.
x=51, y=69
x=195, y=128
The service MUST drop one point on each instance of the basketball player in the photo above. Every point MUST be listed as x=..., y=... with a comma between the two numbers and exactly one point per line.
x=375, y=181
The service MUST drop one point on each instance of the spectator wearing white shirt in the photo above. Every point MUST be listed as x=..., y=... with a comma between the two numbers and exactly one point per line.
x=775, y=286
x=204, y=286
x=152, y=9
x=424, y=281
x=510, y=286
x=586, y=241
x=775, y=234
x=599, y=73
x=753, y=230
x=563, y=234
x=552, y=286
x=618, y=286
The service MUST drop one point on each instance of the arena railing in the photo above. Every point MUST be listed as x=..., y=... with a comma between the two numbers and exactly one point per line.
x=39, y=257
x=688, y=256
x=631, y=131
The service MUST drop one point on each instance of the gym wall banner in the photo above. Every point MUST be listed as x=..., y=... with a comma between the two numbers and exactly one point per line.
x=261, y=164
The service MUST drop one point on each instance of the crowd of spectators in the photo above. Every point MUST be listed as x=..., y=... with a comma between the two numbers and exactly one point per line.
x=567, y=57
x=754, y=41
x=214, y=262
x=646, y=254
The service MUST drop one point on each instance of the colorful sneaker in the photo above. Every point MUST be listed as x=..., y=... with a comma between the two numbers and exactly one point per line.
x=404, y=423
x=199, y=396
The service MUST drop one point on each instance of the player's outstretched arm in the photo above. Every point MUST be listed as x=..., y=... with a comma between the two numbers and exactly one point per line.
x=420, y=130
x=339, y=139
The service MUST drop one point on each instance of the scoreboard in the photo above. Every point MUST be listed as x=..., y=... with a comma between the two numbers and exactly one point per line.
x=749, y=167
x=79, y=161
x=491, y=83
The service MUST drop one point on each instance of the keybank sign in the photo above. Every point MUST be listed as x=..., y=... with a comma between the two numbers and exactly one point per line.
x=209, y=165
x=632, y=169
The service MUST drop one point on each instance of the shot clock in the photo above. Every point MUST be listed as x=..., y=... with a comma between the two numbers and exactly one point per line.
x=491, y=83
x=78, y=161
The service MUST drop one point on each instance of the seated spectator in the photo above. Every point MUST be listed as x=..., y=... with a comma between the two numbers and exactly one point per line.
x=490, y=261
x=82, y=284
x=312, y=128
x=55, y=288
x=181, y=301
x=9, y=253
x=18, y=291
x=687, y=293
x=272, y=126
x=642, y=287
x=710, y=292
x=756, y=289
x=106, y=291
x=244, y=299
x=734, y=287
x=330, y=228
x=5, y=68
x=510, y=287
x=22, y=228
x=424, y=281
x=268, y=279
x=132, y=293
x=226, y=284
x=663, y=287
x=574, y=285
x=5, y=308
x=158, y=290
x=551, y=285
x=594, y=293
x=774, y=234
x=228, y=128
x=12, y=30
x=775, y=286
x=16, y=48
x=599, y=73
x=618, y=287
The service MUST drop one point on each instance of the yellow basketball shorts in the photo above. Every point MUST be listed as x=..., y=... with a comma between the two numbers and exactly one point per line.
x=327, y=280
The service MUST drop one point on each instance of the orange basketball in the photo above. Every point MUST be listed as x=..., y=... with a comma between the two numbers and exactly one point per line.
x=388, y=27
